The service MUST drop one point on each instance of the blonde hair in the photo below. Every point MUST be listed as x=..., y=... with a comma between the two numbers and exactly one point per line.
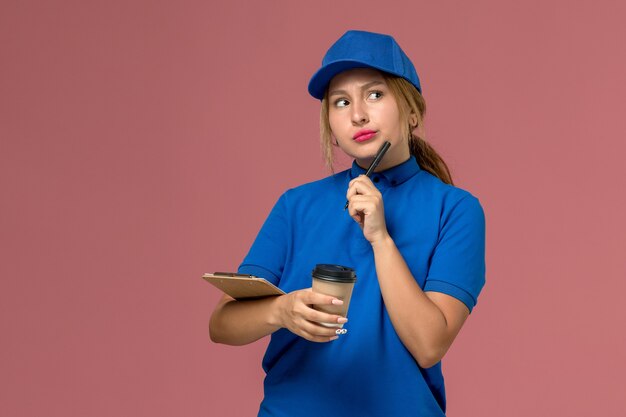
x=410, y=102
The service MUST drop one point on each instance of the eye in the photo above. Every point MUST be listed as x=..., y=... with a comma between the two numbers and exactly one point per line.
x=342, y=102
x=374, y=95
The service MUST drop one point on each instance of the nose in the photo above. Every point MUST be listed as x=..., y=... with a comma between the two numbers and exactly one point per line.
x=359, y=114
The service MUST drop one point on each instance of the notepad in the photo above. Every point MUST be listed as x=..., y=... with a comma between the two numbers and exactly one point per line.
x=242, y=287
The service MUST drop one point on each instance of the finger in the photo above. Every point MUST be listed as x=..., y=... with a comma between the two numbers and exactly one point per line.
x=306, y=312
x=365, y=199
x=360, y=187
x=362, y=179
x=312, y=297
x=318, y=333
x=362, y=182
x=312, y=315
x=336, y=331
x=360, y=204
x=319, y=339
x=322, y=317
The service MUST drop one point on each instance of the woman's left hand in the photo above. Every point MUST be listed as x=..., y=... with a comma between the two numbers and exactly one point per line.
x=366, y=208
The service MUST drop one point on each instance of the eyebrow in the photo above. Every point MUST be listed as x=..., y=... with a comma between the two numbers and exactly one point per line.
x=363, y=87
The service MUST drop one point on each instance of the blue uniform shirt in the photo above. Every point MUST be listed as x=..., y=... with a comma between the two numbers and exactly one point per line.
x=440, y=231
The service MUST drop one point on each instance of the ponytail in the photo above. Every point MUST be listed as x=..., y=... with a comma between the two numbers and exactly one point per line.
x=411, y=102
x=428, y=159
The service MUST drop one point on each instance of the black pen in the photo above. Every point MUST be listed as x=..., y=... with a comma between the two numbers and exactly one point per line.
x=375, y=162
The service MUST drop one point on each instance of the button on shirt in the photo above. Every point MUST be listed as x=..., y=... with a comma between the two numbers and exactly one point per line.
x=440, y=231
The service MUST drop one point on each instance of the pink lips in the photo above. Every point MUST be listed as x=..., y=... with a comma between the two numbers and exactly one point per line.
x=363, y=135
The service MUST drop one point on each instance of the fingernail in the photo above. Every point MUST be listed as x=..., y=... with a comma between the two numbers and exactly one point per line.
x=337, y=302
x=342, y=320
x=333, y=338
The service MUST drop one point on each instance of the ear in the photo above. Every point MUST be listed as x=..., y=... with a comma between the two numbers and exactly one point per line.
x=413, y=120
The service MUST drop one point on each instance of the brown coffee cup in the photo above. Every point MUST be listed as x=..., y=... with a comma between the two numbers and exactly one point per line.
x=335, y=280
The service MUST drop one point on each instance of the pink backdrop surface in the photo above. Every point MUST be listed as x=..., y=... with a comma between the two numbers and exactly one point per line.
x=143, y=144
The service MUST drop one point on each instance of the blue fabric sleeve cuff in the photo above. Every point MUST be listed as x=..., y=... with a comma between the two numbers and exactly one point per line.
x=451, y=290
x=258, y=271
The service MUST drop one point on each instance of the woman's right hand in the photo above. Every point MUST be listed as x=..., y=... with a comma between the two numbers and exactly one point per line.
x=296, y=314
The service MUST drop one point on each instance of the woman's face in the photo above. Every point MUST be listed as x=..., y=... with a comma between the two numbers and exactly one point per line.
x=363, y=114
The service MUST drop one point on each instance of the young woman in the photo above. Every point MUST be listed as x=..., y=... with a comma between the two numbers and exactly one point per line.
x=416, y=242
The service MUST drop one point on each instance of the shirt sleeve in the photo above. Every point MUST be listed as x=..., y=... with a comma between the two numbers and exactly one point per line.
x=267, y=256
x=457, y=266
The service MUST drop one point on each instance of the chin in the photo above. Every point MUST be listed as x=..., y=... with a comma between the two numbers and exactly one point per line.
x=364, y=150
x=368, y=149
x=367, y=145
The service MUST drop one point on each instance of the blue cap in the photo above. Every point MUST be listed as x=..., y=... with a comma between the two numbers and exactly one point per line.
x=359, y=49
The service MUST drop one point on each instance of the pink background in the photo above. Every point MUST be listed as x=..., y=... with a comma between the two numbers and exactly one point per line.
x=143, y=143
